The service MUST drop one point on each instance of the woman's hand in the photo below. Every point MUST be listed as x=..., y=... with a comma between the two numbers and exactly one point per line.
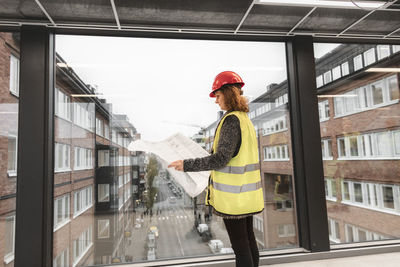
x=178, y=165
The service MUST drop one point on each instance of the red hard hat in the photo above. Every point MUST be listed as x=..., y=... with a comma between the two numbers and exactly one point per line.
x=225, y=77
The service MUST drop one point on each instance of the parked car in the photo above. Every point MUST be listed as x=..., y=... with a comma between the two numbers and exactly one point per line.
x=215, y=245
x=151, y=254
x=172, y=200
x=202, y=227
x=154, y=230
x=226, y=250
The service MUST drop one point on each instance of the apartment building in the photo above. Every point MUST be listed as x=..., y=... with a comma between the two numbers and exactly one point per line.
x=93, y=168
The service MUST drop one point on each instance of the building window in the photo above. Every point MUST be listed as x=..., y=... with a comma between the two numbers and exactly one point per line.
x=82, y=244
x=62, y=157
x=381, y=197
x=320, y=81
x=276, y=153
x=82, y=200
x=356, y=234
x=103, y=192
x=61, y=211
x=286, y=230
x=62, y=105
x=336, y=74
x=369, y=57
x=62, y=259
x=106, y=131
x=274, y=125
x=327, y=77
x=326, y=146
x=323, y=109
x=334, y=233
x=103, y=158
x=358, y=64
x=103, y=229
x=12, y=155
x=82, y=116
x=330, y=189
x=9, y=237
x=14, y=75
x=370, y=96
x=371, y=146
x=83, y=158
x=99, y=127
x=383, y=51
x=345, y=68
x=396, y=48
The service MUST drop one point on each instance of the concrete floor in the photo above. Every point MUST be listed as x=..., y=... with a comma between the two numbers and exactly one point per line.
x=377, y=260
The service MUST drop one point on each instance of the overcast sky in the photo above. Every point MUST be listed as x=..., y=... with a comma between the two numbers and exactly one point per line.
x=163, y=85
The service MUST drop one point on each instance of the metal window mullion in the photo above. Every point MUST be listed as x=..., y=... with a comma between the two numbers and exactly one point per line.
x=34, y=207
x=306, y=145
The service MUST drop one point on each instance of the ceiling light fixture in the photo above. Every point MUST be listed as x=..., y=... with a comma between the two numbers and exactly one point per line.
x=383, y=70
x=325, y=3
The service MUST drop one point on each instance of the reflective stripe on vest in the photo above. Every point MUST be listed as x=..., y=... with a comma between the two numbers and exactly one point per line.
x=240, y=170
x=236, y=189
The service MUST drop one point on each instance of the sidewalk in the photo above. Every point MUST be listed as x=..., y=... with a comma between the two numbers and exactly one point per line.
x=377, y=260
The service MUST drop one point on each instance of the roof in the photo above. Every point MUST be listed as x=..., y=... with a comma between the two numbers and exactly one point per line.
x=229, y=17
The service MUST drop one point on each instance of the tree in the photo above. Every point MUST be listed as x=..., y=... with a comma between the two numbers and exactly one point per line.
x=151, y=173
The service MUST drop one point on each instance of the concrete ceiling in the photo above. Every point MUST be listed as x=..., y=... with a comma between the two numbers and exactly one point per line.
x=236, y=17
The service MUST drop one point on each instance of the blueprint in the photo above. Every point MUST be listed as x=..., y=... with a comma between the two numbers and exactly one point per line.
x=178, y=147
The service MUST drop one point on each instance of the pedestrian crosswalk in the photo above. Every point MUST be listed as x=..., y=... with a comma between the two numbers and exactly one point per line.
x=180, y=215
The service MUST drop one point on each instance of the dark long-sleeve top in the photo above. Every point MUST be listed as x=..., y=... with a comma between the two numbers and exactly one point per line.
x=228, y=146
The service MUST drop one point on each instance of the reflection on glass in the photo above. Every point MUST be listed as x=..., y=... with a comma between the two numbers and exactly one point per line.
x=114, y=205
x=364, y=129
x=9, y=96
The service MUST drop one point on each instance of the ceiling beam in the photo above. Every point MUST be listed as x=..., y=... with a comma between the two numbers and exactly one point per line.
x=245, y=16
x=45, y=12
x=301, y=21
x=115, y=14
x=393, y=32
x=366, y=15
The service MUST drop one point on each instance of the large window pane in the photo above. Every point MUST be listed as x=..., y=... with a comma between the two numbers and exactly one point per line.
x=9, y=98
x=365, y=138
x=125, y=205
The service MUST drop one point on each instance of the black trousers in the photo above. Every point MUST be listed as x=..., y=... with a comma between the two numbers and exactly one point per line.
x=243, y=241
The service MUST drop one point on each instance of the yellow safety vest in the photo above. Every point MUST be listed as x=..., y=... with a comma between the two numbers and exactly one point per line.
x=236, y=188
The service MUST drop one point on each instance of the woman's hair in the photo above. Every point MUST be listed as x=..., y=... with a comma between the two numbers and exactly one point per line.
x=234, y=99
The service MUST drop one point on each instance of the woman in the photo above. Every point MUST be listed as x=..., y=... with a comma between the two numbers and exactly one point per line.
x=234, y=190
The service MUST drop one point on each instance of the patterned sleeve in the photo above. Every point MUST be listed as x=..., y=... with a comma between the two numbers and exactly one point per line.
x=229, y=140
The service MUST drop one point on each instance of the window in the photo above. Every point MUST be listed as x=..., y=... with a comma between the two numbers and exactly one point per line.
x=326, y=146
x=383, y=51
x=345, y=69
x=330, y=189
x=276, y=153
x=62, y=105
x=357, y=234
x=334, y=233
x=327, y=77
x=99, y=127
x=83, y=158
x=396, y=48
x=103, y=229
x=82, y=244
x=341, y=147
x=14, y=75
x=336, y=74
x=62, y=259
x=9, y=237
x=82, y=200
x=393, y=88
x=61, y=211
x=323, y=108
x=83, y=117
x=396, y=136
x=377, y=93
x=106, y=131
x=358, y=64
x=353, y=142
x=369, y=57
x=12, y=155
x=274, y=125
x=381, y=197
x=103, y=192
x=370, y=96
x=62, y=157
x=103, y=158
x=286, y=230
